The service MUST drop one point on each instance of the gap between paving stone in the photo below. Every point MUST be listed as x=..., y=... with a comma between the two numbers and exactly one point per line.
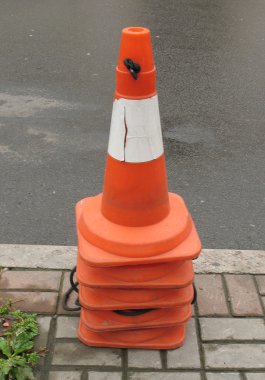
x=64, y=257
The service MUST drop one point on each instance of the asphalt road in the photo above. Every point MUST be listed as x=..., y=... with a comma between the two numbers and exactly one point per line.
x=57, y=61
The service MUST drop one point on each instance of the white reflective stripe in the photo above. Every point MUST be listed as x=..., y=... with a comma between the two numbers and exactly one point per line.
x=135, y=131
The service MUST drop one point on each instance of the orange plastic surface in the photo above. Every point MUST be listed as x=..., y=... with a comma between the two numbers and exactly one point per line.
x=94, y=256
x=103, y=243
x=106, y=320
x=158, y=339
x=126, y=241
x=120, y=299
x=135, y=194
x=164, y=275
x=136, y=45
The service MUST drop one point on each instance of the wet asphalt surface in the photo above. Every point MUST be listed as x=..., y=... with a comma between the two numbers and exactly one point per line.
x=57, y=61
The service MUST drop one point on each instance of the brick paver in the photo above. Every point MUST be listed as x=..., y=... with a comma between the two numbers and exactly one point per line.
x=104, y=376
x=60, y=375
x=79, y=354
x=243, y=295
x=235, y=356
x=255, y=376
x=44, y=328
x=42, y=280
x=232, y=329
x=144, y=359
x=261, y=284
x=186, y=356
x=223, y=376
x=164, y=376
x=36, y=302
x=211, y=295
x=67, y=327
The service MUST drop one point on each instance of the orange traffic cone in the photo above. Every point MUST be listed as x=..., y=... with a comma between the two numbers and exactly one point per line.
x=135, y=193
x=135, y=241
x=109, y=320
x=165, y=275
x=162, y=338
x=111, y=299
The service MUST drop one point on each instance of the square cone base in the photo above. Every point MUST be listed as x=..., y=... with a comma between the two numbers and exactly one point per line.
x=155, y=339
x=164, y=275
x=102, y=243
x=120, y=299
x=107, y=320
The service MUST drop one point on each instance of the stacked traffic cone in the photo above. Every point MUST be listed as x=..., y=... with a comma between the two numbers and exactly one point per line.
x=136, y=241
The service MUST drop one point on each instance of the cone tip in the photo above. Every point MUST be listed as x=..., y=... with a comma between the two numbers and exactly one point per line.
x=135, y=30
x=135, y=46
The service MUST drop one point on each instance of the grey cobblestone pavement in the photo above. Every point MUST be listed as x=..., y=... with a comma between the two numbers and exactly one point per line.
x=225, y=337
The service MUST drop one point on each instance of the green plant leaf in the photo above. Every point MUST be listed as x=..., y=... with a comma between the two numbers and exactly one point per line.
x=21, y=344
x=33, y=358
x=5, y=366
x=2, y=375
x=25, y=323
x=17, y=357
x=5, y=308
x=24, y=373
x=4, y=347
x=19, y=361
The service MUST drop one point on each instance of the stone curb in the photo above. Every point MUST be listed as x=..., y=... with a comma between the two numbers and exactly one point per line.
x=64, y=257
